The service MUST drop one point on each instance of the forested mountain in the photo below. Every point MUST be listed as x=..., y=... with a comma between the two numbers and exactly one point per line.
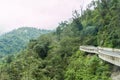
x=14, y=41
x=56, y=56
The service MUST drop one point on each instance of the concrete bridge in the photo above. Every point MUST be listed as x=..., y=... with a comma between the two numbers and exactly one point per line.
x=110, y=55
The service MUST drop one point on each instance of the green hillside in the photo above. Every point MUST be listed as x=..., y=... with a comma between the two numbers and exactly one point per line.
x=56, y=56
x=14, y=41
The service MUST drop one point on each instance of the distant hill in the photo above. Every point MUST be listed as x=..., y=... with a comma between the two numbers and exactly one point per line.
x=14, y=41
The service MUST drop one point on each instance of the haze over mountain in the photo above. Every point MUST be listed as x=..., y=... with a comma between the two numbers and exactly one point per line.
x=42, y=14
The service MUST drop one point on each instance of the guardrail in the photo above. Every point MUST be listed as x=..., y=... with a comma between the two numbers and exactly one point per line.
x=108, y=54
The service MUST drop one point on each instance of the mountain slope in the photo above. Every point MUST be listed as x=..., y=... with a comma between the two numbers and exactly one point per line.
x=56, y=56
x=14, y=41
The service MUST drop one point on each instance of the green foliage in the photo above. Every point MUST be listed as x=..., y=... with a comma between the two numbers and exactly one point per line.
x=88, y=67
x=42, y=46
x=56, y=56
x=16, y=40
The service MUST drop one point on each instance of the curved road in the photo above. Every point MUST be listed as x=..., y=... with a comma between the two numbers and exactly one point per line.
x=108, y=54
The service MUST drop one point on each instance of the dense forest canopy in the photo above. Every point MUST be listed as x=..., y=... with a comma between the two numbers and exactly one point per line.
x=56, y=56
x=14, y=41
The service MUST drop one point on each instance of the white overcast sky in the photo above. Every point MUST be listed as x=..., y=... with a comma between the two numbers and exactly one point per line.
x=43, y=14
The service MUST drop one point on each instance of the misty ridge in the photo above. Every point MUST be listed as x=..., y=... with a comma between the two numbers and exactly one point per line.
x=50, y=49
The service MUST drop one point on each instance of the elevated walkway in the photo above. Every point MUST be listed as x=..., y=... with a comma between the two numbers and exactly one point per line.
x=108, y=54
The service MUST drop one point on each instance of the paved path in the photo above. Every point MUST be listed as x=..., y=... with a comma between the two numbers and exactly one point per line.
x=108, y=54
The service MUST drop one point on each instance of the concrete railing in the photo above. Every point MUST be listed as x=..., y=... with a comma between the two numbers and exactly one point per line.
x=108, y=54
